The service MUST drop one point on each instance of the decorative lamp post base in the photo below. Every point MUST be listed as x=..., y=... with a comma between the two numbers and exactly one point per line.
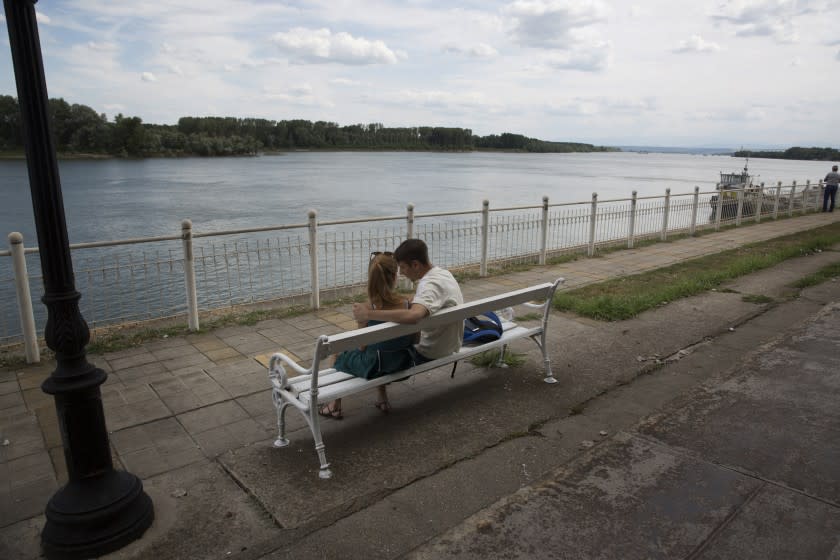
x=92, y=517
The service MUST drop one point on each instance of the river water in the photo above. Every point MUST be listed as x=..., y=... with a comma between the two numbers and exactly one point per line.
x=119, y=199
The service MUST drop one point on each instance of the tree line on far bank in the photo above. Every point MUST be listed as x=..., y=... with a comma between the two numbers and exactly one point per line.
x=78, y=129
x=813, y=154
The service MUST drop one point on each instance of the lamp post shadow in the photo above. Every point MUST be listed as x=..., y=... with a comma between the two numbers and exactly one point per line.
x=100, y=509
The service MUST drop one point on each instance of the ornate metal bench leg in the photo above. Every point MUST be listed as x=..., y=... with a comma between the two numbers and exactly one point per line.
x=315, y=427
x=549, y=377
x=501, y=361
x=325, y=471
x=281, y=440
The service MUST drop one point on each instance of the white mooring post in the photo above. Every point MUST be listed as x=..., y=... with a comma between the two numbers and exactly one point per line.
x=695, y=205
x=409, y=221
x=591, y=250
x=631, y=233
x=543, y=232
x=719, y=209
x=760, y=205
x=776, y=202
x=189, y=275
x=485, y=233
x=792, y=197
x=740, y=207
x=666, y=211
x=315, y=298
x=27, y=317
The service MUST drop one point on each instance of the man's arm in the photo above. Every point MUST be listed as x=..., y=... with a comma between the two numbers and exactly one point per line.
x=412, y=315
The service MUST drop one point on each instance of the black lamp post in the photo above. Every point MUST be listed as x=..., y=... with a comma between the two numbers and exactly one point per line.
x=100, y=509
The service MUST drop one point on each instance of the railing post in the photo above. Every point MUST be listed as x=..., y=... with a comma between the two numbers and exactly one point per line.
x=790, y=201
x=189, y=275
x=667, y=210
x=820, y=196
x=631, y=233
x=315, y=298
x=544, y=231
x=695, y=205
x=591, y=250
x=409, y=221
x=760, y=206
x=485, y=234
x=27, y=317
x=719, y=209
x=776, y=202
x=806, y=195
x=740, y=207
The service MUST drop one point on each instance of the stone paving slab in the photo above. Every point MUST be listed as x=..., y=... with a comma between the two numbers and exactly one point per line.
x=778, y=524
x=199, y=499
x=757, y=422
x=631, y=499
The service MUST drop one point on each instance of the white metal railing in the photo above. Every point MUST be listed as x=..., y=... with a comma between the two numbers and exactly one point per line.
x=182, y=275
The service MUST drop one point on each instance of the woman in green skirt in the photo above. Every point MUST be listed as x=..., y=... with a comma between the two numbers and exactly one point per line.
x=376, y=360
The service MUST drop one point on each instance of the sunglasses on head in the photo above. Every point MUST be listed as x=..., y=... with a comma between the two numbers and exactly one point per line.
x=374, y=254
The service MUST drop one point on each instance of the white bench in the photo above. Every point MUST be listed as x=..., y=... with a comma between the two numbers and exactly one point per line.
x=313, y=386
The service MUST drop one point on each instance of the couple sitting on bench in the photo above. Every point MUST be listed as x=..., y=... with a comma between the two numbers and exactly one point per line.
x=436, y=289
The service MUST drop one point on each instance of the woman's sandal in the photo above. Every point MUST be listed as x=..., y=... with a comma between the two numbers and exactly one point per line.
x=383, y=406
x=328, y=411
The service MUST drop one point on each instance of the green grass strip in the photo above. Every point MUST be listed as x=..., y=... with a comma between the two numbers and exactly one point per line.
x=830, y=272
x=624, y=298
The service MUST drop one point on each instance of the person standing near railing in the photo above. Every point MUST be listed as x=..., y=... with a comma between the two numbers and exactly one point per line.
x=831, y=182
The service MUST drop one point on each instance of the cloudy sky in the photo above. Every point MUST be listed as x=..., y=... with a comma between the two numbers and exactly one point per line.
x=653, y=72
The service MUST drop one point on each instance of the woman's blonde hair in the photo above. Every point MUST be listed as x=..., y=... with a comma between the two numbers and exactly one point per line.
x=382, y=281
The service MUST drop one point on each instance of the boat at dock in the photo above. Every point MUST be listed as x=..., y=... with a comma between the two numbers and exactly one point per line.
x=726, y=201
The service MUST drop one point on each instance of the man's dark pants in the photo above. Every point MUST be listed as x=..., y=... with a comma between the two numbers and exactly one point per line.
x=829, y=194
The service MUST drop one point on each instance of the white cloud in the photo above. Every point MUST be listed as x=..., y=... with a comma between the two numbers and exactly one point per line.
x=837, y=56
x=782, y=31
x=439, y=99
x=42, y=18
x=479, y=50
x=696, y=44
x=608, y=107
x=768, y=18
x=550, y=23
x=345, y=82
x=148, y=77
x=301, y=94
x=321, y=45
x=591, y=58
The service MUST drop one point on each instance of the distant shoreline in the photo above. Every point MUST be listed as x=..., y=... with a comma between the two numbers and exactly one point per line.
x=89, y=156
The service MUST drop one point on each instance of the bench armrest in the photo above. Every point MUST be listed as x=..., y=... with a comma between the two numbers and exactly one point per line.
x=277, y=373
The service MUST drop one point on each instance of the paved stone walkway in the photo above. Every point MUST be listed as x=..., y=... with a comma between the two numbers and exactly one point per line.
x=182, y=400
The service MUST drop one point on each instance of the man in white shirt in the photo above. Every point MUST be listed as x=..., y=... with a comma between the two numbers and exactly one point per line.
x=436, y=289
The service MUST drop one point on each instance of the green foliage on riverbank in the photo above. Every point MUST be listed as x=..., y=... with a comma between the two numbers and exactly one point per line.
x=624, y=298
x=80, y=131
x=810, y=154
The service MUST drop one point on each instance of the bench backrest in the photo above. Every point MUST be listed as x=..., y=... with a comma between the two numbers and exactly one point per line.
x=377, y=333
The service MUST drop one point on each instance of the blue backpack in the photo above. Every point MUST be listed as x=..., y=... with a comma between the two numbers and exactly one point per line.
x=486, y=327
